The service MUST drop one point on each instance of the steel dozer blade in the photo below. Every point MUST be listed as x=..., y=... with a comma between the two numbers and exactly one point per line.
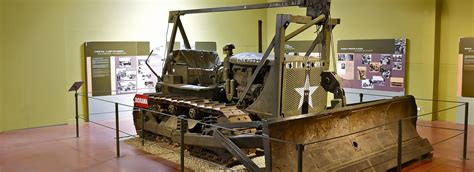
x=371, y=150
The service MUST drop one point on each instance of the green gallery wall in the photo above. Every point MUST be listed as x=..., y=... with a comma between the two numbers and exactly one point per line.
x=2, y=81
x=43, y=42
x=41, y=53
x=456, y=21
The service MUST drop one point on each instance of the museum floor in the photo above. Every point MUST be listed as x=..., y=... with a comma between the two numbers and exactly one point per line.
x=55, y=148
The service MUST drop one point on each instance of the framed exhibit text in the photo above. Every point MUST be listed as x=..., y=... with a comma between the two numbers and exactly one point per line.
x=466, y=67
x=375, y=64
x=117, y=68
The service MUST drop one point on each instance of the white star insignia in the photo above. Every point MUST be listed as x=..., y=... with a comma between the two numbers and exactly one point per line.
x=301, y=90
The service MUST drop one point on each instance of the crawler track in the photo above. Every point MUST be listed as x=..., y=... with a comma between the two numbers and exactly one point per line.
x=205, y=110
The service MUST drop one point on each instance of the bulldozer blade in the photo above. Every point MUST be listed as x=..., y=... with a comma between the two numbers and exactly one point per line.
x=353, y=138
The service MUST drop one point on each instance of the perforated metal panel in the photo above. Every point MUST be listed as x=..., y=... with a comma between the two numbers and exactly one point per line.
x=294, y=76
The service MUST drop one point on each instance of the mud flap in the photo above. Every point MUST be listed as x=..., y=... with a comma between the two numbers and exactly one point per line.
x=371, y=150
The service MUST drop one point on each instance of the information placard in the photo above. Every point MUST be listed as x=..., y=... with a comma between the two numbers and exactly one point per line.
x=377, y=64
x=118, y=68
x=466, y=67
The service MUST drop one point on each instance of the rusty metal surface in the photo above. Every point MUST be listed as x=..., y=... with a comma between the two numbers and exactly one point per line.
x=351, y=152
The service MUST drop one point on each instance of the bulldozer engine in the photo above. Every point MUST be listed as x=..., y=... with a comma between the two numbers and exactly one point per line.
x=237, y=104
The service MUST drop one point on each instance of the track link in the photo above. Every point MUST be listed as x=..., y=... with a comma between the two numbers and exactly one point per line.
x=204, y=110
x=197, y=108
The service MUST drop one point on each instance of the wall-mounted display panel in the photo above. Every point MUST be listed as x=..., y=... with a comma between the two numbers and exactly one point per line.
x=466, y=67
x=118, y=68
x=372, y=66
x=116, y=71
x=466, y=78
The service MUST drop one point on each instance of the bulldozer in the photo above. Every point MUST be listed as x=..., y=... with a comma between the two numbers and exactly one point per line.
x=274, y=104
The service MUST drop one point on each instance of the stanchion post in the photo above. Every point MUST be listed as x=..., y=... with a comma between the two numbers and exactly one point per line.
x=361, y=97
x=400, y=139
x=300, y=149
x=142, y=113
x=117, y=136
x=466, y=122
x=77, y=114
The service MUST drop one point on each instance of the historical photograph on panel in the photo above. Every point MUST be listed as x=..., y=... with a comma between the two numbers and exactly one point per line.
x=378, y=80
x=396, y=82
x=397, y=66
x=125, y=62
x=366, y=58
x=341, y=57
x=149, y=84
x=397, y=58
x=345, y=57
x=367, y=84
x=386, y=73
x=400, y=46
x=121, y=74
x=385, y=59
x=345, y=69
x=127, y=87
x=341, y=68
x=141, y=62
x=375, y=67
x=362, y=73
x=126, y=74
x=146, y=79
x=131, y=75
